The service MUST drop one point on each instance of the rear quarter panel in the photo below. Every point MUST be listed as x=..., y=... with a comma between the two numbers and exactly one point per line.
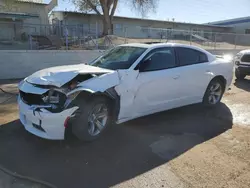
x=222, y=67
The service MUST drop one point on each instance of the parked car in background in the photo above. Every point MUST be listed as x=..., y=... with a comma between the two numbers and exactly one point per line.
x=242, y=64
x=127, y=82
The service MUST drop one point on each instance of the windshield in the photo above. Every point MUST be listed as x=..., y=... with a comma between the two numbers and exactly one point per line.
x=121, y=57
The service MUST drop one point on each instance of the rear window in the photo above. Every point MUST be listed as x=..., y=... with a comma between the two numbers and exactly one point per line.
x=189, y=56
x=245, y=58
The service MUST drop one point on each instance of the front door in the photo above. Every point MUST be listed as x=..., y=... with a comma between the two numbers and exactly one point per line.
x=157, y=82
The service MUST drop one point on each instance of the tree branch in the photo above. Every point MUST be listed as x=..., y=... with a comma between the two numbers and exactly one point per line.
x=109, y=3
x=93, y=7
x=114, y=8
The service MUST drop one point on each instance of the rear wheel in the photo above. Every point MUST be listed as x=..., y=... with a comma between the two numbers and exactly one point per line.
x=92, y=118
x=239, y=75
x=214, y=92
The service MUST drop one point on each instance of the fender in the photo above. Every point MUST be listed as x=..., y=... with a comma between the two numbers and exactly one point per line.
x=121, y=82
x=98, y=83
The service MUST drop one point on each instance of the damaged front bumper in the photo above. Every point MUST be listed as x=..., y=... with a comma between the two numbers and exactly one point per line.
x=42, y=122
x=42, y=119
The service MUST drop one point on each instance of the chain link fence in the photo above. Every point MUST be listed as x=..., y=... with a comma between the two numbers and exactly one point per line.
x=21, y=36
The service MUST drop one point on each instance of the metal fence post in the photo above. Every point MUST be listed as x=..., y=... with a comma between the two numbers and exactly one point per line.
x=66, y=38
x=125, y=35
x=215, y=40
x=96, y=34
x=30, y=41
x=191, y=32
x=235, y=41
x=161, y=34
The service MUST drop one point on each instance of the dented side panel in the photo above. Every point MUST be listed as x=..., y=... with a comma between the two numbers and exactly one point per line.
x=125, y=86
x=127, y=90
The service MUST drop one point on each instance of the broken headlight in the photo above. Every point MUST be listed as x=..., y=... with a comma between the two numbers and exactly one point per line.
x=54, y=97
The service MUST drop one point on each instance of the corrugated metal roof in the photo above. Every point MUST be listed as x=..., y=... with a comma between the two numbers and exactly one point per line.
x=231, y=21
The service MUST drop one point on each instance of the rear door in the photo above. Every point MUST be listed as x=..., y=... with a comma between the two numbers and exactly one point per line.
x=194, y=74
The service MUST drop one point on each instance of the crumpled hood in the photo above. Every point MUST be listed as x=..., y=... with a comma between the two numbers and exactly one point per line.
x=60, y=75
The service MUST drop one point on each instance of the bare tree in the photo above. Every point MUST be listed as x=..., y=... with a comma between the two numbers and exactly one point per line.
x=107, y=8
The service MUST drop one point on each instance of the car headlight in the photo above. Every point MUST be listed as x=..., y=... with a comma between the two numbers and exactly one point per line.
x=53, y=97
x=238, y=56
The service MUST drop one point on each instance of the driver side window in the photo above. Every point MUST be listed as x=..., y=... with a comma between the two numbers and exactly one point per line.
x=158, y=59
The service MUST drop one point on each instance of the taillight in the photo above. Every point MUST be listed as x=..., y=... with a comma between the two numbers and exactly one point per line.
x=66, y=122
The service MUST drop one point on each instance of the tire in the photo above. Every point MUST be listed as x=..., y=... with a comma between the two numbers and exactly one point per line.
x=239, y=75
x=84, y=125
x=214, y=92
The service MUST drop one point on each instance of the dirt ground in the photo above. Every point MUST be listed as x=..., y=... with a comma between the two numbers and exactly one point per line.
x=185, y=147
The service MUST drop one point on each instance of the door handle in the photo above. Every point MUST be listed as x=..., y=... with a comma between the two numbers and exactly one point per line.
x=176, y=77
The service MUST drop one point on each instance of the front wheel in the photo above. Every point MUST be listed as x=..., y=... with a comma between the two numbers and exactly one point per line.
x=214, y=92
x=92, y=119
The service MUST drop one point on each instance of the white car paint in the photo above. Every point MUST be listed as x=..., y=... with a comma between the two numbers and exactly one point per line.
x=52, y=123
x=60, y=75
x=141, y=93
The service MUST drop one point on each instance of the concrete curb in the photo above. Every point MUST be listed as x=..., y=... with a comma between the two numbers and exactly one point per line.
x=26, y=178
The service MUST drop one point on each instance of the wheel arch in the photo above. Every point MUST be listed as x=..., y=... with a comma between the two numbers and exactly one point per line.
x=110, y=95
x=221, y=78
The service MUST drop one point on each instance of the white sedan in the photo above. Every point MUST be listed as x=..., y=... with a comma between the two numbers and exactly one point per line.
x=127, y=82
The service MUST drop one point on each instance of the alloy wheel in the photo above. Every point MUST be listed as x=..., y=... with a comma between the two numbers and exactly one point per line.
x=215, y=92
x=97, y=119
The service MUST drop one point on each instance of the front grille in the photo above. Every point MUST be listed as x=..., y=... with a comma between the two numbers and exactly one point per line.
x=30, y=98
x=246, y=58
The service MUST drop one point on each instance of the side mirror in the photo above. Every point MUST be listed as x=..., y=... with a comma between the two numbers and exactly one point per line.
x=143, y=65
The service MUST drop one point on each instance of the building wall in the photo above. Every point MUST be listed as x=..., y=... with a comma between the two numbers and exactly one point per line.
x=13, y=28
x=30, y=8
x=127, y=27
x=239, y=24
x=241, y=27
x=22, y=63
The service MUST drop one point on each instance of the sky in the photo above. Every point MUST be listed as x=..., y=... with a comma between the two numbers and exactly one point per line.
x=193, y=11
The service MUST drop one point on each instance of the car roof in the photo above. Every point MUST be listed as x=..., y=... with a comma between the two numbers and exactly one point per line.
x=245, y=51
x=159, y=45
x=211, y=57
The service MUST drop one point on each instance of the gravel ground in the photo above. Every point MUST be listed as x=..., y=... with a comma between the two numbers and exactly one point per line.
x=186, y=147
